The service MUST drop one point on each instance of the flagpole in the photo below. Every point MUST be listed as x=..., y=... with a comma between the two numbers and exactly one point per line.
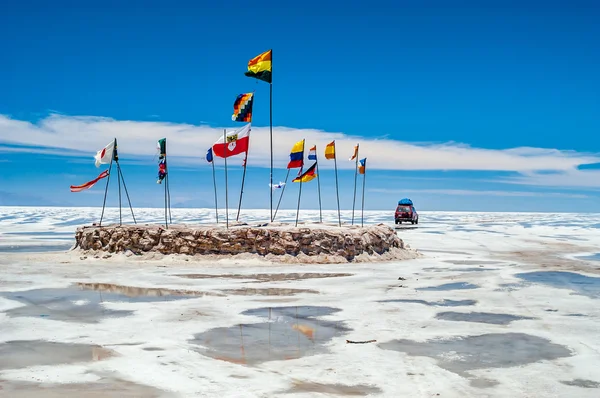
x=337, y=191
x=165, y=189
x=319, y=187
x=280, y=196
x=355, y=176
x=215, y=188
x=118, y=183
x=362, y=212
x=106, y=189
x=242, y=189
x=271, y=133
x=167, y=185
x=226, y=192
x=126, y=193
x=300, y=190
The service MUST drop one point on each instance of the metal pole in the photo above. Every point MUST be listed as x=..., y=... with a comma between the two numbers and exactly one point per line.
x=119, y=183
x=319, y=187
x=215, y=187
x=226, y=192
x=106, y=189
x=242, y=189
x=300, y=190
x=271, y=135
x=167, y=184
x=355, y=176
x=126, y=193
x=362, y=212
x=337, y=191
x=165, y=188
x=280, y=196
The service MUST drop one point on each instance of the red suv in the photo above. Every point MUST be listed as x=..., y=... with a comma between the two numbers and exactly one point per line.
x=406, y=212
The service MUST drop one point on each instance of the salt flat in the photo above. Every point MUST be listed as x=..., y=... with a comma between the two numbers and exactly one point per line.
x=499, y=305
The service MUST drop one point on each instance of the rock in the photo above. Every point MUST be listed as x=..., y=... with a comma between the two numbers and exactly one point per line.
x=317, y=244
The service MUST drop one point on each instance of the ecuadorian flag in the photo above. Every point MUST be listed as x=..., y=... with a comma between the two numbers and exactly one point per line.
x=297, y=155
x=259, y=67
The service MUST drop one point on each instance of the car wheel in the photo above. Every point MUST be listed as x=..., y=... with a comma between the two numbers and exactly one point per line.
x=416, y=222
x=412, y=222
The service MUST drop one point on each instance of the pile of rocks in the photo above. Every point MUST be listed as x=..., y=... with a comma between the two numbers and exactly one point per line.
x=347, y=242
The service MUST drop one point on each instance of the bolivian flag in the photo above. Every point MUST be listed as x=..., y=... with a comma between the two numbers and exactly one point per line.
x=308, y=175
x=330, y=150
x=259, y=67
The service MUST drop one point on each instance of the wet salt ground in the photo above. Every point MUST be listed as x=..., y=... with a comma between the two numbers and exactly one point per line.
x=85, y=302
x=494, y=350
x=285, y=333
x=333, y=367
x=578, y=283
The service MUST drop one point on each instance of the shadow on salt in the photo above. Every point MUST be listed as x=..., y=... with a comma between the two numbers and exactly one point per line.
x=84, y=302
x=286, y=333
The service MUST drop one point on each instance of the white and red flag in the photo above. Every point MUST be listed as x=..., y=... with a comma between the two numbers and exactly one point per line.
x=105, y=155
x=233, y=143
x=89, y=184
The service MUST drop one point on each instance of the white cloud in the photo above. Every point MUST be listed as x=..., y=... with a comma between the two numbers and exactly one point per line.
x=469, y=192
x=84, y=135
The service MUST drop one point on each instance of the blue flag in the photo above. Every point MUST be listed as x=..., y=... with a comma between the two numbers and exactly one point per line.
x=209, y=155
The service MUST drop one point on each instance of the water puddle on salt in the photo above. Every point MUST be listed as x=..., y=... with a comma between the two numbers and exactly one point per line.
x=593, y=257
x=450, y=286
x=268, y=277
x=581, y=383
x=332, y=389
x=107, y=388
x=84, y=302
x=273, y=291
x=479, y=317
x=495, y=350
x=580, y=284
x=286, y=333
x=443, y=303
x=35, y=248
x=24, y=353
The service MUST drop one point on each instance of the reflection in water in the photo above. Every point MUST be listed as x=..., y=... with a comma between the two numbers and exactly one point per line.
x=85, y=302
x=287, y=333
x=25, y=353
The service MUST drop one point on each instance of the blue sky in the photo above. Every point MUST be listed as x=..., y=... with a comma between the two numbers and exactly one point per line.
x=461, y=107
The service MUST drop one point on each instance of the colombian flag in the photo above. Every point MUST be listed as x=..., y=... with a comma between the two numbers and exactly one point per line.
x=297, y=155
x=330, y=150
x=308, y=175
x=259, y=67
x=362, y=165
